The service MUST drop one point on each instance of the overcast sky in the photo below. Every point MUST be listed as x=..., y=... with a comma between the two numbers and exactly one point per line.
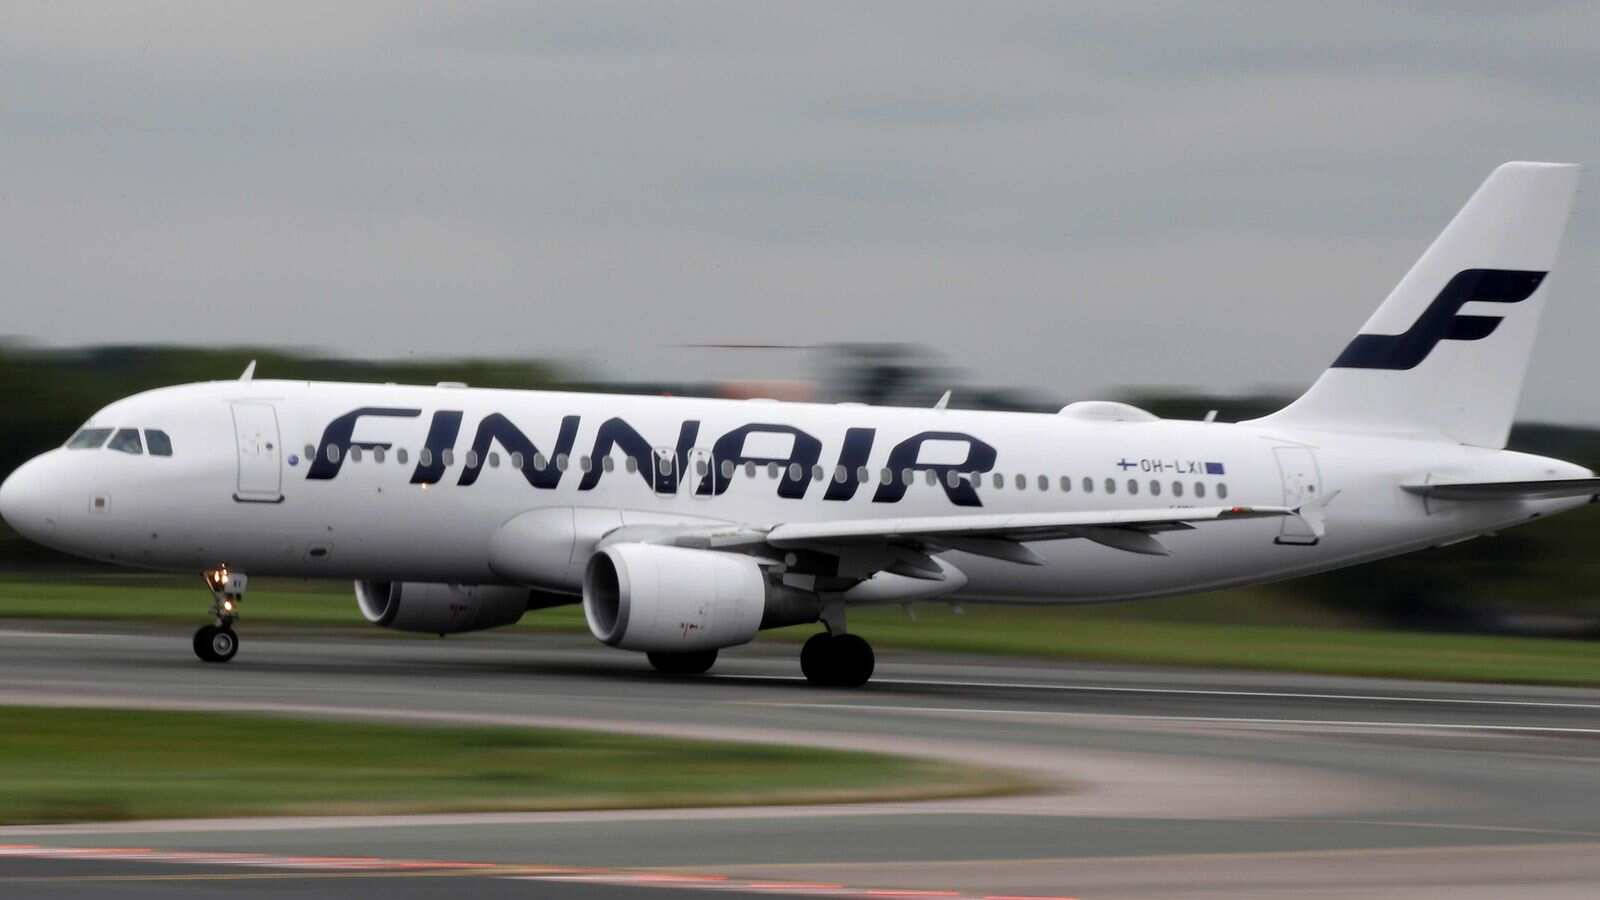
x=1199, y=194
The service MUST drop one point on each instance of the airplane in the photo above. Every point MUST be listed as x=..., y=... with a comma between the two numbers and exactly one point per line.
x=684, y=526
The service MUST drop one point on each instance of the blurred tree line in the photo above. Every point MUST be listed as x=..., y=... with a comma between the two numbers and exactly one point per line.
x=1539, y=578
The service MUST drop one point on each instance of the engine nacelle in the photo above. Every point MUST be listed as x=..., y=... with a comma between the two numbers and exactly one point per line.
x=440, y=608
x=673, y=599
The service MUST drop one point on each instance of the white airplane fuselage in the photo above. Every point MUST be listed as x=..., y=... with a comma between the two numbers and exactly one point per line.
x=224, y=497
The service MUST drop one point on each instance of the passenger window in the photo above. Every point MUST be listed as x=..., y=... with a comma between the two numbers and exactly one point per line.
x=863, y=474
x=424, y=457
x=311, y=452
x=157, y=442
x=400, y=456
x=630, y=464
x=1088, y=485
x=727, y=469
x=585, y=463
x=1155, y=488
x=840, y=473
x=1177, y=489
x=448, y=457
x=664, y=464
x=999, y=481
x=517, y=460
x=1044, y=482
x=794, y=472
x=472, y=459
x=562, y=461
x=818, y=473
x=1066, y=485
x=1200, y=489
x=333, y=453
x=886, y=476
x=606, y=463
x=931, y=477
x=1022, y=482
x=494, y=460
x=539, y=461
x=355, y=454
x=1133, y=486
x=1222, y=491
x=377, y=454
x=88, y=438
x=1111, y=485
x=126, y=440
x=772, y=470
x=952, y=479
x=749, y=470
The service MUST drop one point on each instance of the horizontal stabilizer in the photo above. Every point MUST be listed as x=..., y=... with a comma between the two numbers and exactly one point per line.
x=1549, y=489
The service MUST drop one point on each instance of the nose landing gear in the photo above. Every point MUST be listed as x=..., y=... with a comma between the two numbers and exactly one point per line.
x=218, y=643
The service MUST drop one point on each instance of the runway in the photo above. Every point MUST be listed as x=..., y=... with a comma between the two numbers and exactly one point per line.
x=1160, y=782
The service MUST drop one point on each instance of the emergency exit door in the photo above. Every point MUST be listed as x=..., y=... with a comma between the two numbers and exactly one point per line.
x=255, y=429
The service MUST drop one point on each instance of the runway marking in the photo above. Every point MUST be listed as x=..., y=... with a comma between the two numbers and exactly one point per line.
x=321, y=867
x=67, y=635
x=1135, y=717
x=1195, y=692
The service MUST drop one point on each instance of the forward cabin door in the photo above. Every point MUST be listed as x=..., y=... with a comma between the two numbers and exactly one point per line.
x=1301, y=485
x=255, y=428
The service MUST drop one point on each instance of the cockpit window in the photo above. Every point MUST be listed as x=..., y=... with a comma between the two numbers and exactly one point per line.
x=158, y=442
x=127, y=441
x=88, y=438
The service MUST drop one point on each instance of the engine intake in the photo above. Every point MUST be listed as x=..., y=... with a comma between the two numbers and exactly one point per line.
x=672, y=599
x=441, y=608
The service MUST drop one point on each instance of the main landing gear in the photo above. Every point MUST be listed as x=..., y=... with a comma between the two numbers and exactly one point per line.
x=218, y=643
x=834, y=658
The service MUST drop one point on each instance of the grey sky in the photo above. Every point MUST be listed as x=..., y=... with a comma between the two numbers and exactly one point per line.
x=1200, y=194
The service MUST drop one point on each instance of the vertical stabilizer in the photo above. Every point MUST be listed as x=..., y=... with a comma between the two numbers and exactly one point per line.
x=1446, y=352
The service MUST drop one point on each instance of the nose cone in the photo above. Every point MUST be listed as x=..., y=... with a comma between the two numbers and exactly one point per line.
x=28, y=503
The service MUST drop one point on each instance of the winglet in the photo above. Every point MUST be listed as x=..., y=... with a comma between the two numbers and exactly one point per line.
x=249, y=371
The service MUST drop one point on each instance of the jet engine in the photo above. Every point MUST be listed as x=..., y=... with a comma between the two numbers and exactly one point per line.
x=665, y=599
x=441, y=608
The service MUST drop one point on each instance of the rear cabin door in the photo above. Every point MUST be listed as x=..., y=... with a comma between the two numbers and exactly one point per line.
x=255, y=427
x=1301, y=485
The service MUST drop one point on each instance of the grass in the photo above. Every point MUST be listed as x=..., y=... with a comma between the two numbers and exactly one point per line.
x=1251, y=629
x=60, y=765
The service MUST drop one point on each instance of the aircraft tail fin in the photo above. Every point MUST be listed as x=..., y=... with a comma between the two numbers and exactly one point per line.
x=1446, y=353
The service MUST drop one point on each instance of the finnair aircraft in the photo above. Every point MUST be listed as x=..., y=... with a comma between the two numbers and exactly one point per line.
x=687, y=525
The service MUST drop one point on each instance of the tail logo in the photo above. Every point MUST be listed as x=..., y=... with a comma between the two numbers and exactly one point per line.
x=1442, y=320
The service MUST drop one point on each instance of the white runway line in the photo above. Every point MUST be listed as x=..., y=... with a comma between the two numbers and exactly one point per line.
x=1220, y=720
x=62, y=635
x=1198, y=692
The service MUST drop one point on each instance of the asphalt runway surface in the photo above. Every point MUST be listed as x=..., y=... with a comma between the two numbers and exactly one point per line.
x=1160, y=782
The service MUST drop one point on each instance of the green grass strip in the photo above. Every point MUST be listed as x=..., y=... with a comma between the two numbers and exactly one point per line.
x=62, y=765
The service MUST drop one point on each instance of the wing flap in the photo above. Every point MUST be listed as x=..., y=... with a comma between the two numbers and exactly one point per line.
x=1018, y=527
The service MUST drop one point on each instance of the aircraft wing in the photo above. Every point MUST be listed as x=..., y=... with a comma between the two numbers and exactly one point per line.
x=1001, y=536
x=1548, y=489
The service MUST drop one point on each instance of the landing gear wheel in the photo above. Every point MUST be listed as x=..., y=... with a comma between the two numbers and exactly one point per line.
x=693, y=663
x=216, y=644
x=843, y=660
x=853, y=660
